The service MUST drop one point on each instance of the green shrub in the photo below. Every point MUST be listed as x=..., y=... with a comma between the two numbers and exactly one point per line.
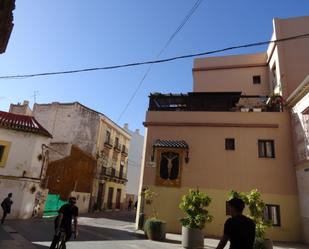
x=153, y=229
x=194, y=205
x=256, y=207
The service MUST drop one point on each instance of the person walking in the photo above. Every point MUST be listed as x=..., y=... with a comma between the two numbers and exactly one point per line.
x=63, y=222
x=239, y=229
x=6, y=206
x=130, y=204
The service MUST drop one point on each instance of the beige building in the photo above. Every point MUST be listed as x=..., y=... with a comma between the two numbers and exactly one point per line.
x=232, y=132
x=91, y=135
x=113, y=147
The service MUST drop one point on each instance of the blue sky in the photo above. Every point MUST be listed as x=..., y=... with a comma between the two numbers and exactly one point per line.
x=55, y=35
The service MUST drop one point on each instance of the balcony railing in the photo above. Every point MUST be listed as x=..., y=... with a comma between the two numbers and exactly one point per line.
x=113, y=173
x=108, y=143
x=124, y=150
x=212, y=102
x=117, y=147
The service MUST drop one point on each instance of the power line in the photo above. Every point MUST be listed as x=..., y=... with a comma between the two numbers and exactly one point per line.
x=184, y=21
x=154, y=61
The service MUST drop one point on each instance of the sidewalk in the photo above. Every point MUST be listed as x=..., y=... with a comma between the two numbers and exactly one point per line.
x=11, y=239
x=96, y=231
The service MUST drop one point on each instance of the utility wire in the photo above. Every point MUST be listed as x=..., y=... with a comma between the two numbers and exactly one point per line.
x=184, y=21
x=154, y=61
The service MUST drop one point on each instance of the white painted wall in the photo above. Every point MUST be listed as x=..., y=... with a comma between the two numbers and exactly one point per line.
x=82, y=202
x=134, y=162
x=23, y=198
x=23, y=155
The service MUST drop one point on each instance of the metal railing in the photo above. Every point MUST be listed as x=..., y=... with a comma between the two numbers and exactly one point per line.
x=112, y=172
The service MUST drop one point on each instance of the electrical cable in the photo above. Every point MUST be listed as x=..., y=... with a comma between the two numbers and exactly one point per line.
x=184, y=21
x=21, y=76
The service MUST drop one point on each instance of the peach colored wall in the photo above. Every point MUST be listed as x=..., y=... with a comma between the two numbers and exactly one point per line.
x=211, y=166
x=231, y=73
x=294, y=53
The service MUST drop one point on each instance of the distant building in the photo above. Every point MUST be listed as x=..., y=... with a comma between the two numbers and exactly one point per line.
x=6, y=22
x=23, y=157
x=234, y=133
x=80, y=132
x=134, y=162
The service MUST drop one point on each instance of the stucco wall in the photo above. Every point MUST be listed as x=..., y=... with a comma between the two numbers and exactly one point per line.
x=23, y=154
x=231, y=73
x=82, y=202
x=23, y=197
x=216, y=170
x=134, y=163
x=70, y=123
x=294, y=53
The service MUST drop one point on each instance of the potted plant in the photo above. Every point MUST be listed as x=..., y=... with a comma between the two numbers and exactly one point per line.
x=154, y=228
x=256, y=208
x=275, y=103
x=194, y=205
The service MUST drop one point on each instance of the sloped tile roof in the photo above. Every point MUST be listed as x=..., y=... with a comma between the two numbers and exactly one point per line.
x=170, y=144
x=22, y=123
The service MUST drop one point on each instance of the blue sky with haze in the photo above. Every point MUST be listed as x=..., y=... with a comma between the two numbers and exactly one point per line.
x=56, y=35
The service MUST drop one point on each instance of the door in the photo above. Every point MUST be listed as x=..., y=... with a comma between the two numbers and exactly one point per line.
x=100, y=197
x=118, y=199
x=110, y=198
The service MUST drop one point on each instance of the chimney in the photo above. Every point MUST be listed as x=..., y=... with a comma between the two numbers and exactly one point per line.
x=26, y=102
x=137, y=131
x=126, y=126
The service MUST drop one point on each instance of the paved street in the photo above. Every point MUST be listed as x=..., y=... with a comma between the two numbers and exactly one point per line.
x=101, y=230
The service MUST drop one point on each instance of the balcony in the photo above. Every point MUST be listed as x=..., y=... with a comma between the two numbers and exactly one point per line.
x=117, y=147
x=113, y=174
x=108, y=143
x=214, y=102
x=124, y=151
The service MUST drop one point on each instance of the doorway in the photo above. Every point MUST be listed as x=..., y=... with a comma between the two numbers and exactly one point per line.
x=110, y=198
x=118, y=198
x=100, y=197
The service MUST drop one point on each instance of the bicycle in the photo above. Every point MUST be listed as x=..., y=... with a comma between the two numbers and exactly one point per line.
x=61, y=242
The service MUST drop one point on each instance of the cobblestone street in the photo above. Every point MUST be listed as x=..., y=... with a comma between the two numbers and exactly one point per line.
x=100, y=230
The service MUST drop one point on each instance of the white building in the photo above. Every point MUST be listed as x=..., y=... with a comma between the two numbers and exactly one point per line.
x=134, y=161
x=22, y=162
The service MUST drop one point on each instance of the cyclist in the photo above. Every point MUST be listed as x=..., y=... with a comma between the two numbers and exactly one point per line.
x=63, y=222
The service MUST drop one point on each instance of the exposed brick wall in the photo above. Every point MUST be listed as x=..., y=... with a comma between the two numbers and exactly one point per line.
x=74, y=171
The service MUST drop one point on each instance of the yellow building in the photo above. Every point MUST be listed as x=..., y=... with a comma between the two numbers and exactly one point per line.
x=232, y=133
x=112, y=165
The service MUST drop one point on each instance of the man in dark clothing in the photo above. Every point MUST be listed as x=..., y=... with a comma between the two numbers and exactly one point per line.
x=63, y=222
x=239, y=229
x=6, y=206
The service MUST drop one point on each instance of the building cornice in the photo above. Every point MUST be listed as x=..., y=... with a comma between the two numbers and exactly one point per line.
x=198, y=69
x=190, y=124
x=298, y=93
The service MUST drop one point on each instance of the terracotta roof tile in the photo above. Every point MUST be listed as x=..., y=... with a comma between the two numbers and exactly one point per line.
x=22, y=123
x=170, y=144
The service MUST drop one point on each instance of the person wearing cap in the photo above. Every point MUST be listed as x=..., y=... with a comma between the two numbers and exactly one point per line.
x=63, y=222
x=239, y=229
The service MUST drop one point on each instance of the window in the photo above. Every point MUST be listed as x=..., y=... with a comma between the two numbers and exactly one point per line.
x=230, y=144
x=2, y=147
x=272, y=213
x=116, y=141
x=256, y=79
x=4, y=152
x=266, y=148
x=107, y=137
